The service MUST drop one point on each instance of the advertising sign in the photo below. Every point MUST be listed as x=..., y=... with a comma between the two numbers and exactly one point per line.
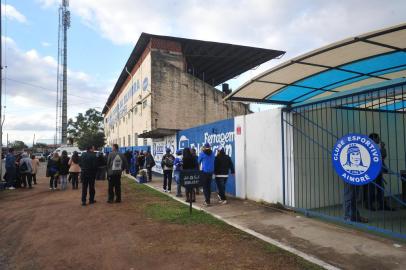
x=158, y=150
x=357, y=159
x=217, y=134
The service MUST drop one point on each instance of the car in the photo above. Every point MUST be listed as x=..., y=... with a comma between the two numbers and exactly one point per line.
x=40, y=156
x=68, y=149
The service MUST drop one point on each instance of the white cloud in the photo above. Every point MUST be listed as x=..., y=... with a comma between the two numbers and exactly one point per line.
x=12, y=13
x=31, y=93
x=46, y=44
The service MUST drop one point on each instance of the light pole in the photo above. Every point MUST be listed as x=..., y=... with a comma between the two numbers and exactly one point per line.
x=132, y=104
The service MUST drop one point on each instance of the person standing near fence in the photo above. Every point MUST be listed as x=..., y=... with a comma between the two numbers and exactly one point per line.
x=88, y=165
x=35, y=166
x=26, y=170
x=222, y=167
x=116, y=164
x=206, y=159
x=167, y=163
x=64, y=170
x=74, y=169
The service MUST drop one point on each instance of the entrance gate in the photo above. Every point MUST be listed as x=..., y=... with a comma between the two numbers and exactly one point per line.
x=310, y=131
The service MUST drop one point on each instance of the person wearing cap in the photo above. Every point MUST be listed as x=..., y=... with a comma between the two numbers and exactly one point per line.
x=222, y=166
x=178, y=168
x=167, y=163
x=206, y=160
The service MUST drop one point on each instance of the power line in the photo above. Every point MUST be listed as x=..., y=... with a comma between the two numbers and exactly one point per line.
x=37, y=86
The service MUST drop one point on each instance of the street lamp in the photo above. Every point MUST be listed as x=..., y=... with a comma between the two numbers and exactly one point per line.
x=132, y=104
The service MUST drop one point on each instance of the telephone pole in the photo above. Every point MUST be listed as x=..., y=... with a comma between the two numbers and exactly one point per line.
x=62, y=98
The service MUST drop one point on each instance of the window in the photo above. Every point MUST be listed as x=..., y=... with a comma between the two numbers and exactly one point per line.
x=144, y=104
x=129, y=140
x=135, y=109
x=145, y=139
x=123, y=141
x=136, y=139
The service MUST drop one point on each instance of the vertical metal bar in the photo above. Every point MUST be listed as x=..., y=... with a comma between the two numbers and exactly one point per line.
x=283, y=157
x=404, y=145
x=380, y=134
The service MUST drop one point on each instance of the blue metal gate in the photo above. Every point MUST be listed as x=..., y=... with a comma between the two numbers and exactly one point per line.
x=310, y=131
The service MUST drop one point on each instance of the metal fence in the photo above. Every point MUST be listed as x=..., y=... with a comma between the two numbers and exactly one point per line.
x=310, y=182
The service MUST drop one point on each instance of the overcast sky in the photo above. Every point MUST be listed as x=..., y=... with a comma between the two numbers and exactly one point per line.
x=104, y=32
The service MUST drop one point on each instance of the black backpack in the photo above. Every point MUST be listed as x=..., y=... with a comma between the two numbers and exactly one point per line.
x=169, y=161
x=23, y=167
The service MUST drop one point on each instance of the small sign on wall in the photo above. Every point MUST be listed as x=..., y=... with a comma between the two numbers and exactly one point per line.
x=238, y=131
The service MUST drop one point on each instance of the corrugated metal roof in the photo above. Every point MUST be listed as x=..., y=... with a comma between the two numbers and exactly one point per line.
x=351, y=63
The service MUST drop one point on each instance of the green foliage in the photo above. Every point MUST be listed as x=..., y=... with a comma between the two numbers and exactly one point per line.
x=18, y=145
x=87, y=129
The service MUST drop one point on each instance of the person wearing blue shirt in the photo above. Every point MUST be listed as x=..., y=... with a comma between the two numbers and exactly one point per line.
x=206, y=160
x=178, y=168
x=10, y=168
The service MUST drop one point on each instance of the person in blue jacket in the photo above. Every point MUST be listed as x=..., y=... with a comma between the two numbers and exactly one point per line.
x=206, y=160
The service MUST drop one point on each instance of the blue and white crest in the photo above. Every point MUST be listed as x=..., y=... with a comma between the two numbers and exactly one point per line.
x=357, y=159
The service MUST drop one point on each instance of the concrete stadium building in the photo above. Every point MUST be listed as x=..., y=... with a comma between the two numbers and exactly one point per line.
x=168, y=84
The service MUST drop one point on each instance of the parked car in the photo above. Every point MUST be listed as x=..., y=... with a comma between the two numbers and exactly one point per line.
x=69, y=149
x=40, y=156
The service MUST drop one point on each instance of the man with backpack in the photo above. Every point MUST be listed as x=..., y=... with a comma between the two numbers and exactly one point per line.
x=116, y=164
x=26, y=170
x=168, y=160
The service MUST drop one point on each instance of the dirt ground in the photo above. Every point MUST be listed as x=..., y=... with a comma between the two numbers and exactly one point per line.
x=41, y=229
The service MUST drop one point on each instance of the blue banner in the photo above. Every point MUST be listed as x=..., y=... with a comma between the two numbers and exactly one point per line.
x=217, y=134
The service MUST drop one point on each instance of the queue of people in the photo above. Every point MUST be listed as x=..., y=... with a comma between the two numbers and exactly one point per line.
x=21, y=170
x=219, y=166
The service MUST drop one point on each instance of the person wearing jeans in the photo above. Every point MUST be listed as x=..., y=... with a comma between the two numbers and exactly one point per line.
x=53, y=171
x=64, y=169
x=222, y=166
x=167, y=163
x=206, y=160
x=176, y=173
x=26, y=170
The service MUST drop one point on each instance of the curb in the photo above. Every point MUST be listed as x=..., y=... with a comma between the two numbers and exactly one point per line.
x=265, y=238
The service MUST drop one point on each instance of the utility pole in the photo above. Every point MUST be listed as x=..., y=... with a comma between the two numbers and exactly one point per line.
x=66, y=25
x=62, y=98
x=1, y=93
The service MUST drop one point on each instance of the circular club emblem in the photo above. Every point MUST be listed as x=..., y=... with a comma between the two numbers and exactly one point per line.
x=357, y=159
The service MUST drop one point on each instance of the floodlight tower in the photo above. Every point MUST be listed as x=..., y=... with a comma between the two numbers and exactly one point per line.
x=62, y=98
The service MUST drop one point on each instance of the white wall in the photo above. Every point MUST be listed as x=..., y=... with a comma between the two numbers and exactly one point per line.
x=259, y=156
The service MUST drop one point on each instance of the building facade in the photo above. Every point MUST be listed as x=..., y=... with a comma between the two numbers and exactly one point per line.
x=168, y=85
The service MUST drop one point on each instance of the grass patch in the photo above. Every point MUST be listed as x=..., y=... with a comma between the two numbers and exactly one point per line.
x=161, y=207
x=164, y=208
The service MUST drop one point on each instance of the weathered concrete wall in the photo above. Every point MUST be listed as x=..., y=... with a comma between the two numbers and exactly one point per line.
x=180, y=101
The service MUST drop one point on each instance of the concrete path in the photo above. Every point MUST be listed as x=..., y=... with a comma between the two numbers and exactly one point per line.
x=326, y=244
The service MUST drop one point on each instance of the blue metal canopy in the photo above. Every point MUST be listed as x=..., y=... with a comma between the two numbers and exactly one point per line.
x=360, y=61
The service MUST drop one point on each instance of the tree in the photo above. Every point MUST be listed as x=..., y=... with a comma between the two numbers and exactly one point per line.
x=87, y=129
x=18, y=145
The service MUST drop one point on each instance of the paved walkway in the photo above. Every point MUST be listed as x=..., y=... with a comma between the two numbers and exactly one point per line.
x=323, y=243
